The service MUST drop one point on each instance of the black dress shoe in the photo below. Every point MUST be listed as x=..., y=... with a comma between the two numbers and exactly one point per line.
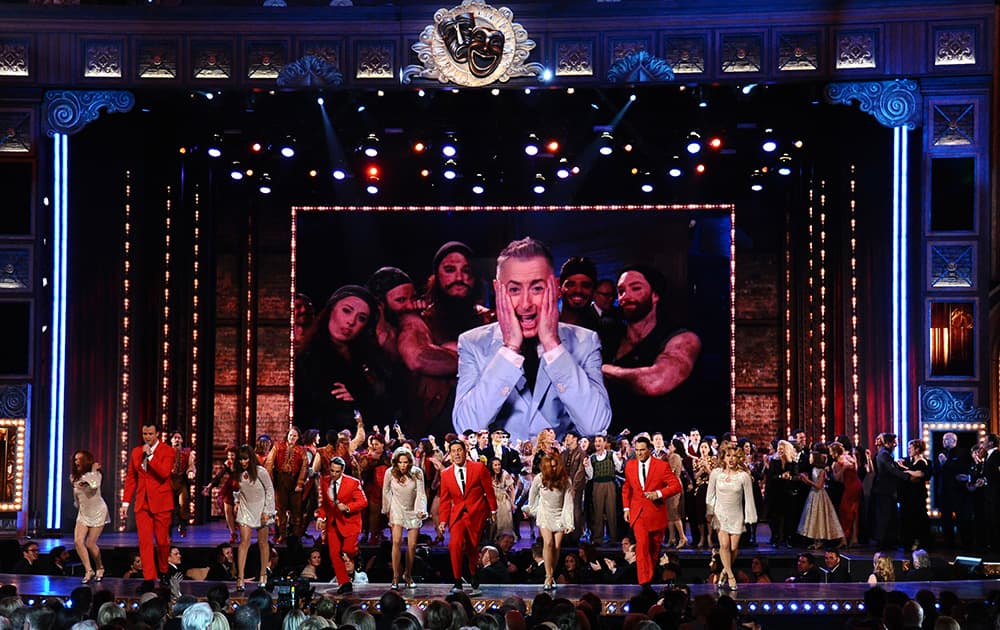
x=457, y=588
x=476, y=590
x=346, y=587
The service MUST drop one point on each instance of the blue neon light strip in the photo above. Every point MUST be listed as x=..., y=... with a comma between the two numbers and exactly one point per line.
x=57, y=408
x=900, y=358
x=904, y=359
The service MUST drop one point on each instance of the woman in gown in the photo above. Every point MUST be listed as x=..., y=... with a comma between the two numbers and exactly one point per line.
x=819, y=519
x=729, y=505
x=845, y=470
x=404, y=500
x=703, y=466
x=92, y=515
x=915, y=524
x=503, y=488
x=255, y=511
x=550, y=501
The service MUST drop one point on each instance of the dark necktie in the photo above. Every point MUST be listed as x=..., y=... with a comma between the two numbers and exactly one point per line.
x=529, y=348
x=642, y=475
x=461, y=480
x=336, y=490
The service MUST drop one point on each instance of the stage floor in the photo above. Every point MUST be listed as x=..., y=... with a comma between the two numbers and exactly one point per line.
x=761, y=599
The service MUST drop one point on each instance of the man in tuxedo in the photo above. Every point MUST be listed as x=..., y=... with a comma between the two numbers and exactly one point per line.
x=509, y=458
x=342, y=502
x=648, y=483
x=951, y=493
x=805, y=570
x=466, y=500
x=888, y=474
x=834, y=569
x=528, y=372
x=147, y=479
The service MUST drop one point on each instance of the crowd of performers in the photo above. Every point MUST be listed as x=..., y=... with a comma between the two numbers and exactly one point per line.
x=375, y=485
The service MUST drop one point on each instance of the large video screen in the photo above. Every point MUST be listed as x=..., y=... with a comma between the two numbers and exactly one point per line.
x=376, y=372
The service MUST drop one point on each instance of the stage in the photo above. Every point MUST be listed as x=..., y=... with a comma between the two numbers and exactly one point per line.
x=777, y=599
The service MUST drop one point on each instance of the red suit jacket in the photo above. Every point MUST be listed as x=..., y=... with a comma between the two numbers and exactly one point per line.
x=350, y=494
x=479, y=499
x=151, y=486
x=658, y=477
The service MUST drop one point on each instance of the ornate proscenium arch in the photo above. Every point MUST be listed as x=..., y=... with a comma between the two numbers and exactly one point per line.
x=895, y=103
x=69, y=111
x=640, y=67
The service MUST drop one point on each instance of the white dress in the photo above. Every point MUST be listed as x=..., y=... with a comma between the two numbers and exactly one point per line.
x=93, y=511
x=256, y=498
x=404, y=501
x=729, y=502
x=552, y=509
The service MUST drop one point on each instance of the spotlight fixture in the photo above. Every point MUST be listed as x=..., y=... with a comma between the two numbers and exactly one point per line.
x=647, y=184
x=265, y=184
x=215, y=146
x=450, y=170
x=606, y=144
x=371, y=189
x=756, y=181
x=694, y=143
x=552, y=146
x=699, y=168
x=785, y=165
x=236, y=172
x=479, y=184
x=449, y=148
x=546, y=75
x=373, y=172
x=288, y=147
x=370, y=146
x=675, y=167
x=539, y=186
x=562, y=172
x=320, y=101
x=495, y=91
x=715, y=143
x=419, y=147
x=531, y=146
x=339, y=174
x=769, y=145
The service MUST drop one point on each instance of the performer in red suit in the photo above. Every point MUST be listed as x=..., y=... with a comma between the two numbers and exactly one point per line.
x=341, y=504
x=648, y=483
x=148, y=480
x=466, y=500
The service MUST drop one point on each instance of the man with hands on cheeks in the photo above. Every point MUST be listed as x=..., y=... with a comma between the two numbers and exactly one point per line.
x=648, y=482
x=527, y=372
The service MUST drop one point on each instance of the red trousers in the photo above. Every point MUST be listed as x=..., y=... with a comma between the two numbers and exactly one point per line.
x=464, y=537
x=154, y=541
x=338, y=545
x=647, y=550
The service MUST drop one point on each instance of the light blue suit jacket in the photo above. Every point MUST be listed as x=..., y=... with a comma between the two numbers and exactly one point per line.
x=568, y=393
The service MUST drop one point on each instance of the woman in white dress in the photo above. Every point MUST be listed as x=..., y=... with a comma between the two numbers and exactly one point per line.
x=503, y=488
x=255, y=511
x=92, y=516
x=550, y=501
x=730, y=506
x=405, y=501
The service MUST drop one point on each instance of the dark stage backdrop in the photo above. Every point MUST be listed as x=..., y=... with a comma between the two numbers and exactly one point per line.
x=690, y=247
